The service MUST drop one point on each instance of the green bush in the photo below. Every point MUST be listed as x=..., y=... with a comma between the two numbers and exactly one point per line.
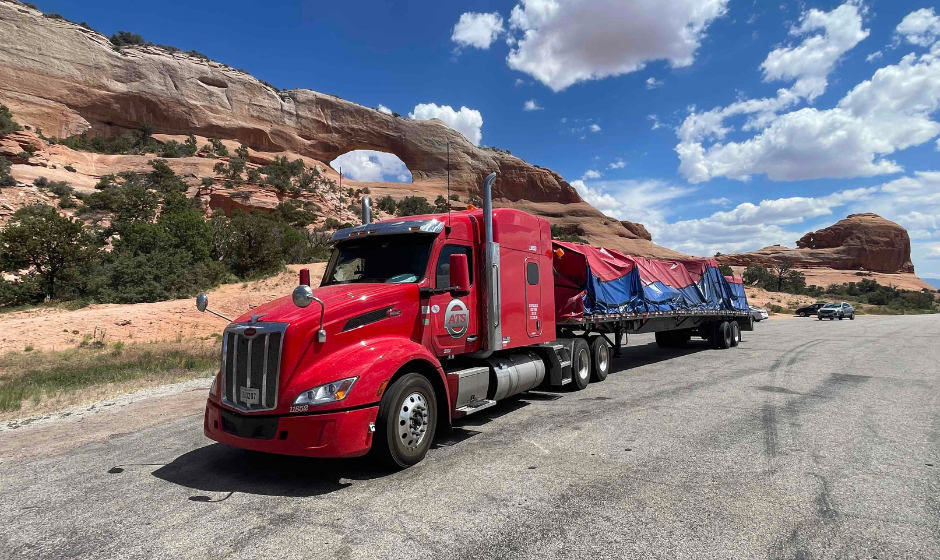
x=414, y=206
x=124, y=38
x=386, y=204
x=6, y=180
x=7, y=124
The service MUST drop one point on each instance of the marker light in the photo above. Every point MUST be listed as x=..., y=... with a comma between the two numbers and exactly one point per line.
x=331, y=392
x=559, y=253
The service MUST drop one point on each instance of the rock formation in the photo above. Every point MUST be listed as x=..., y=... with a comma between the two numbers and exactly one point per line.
x=66, y=79
x=859, y=242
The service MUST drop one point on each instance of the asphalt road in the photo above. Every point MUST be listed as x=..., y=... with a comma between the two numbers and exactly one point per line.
x=810, y=440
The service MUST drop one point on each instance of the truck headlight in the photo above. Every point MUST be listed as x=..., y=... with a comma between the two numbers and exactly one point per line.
x=331, y=392
x=214, y=388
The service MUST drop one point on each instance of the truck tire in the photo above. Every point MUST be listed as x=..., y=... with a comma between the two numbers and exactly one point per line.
x=405, y=425
x=580, y=364
x=600, y=359
x=735, y=333
x=724, y=335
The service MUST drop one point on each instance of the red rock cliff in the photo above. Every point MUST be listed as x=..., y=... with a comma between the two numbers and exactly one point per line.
x=860, y=241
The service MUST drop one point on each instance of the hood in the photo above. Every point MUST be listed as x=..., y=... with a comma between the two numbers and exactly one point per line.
x=340, y=300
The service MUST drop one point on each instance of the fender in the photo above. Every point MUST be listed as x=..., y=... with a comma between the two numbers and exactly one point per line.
x=373, y=360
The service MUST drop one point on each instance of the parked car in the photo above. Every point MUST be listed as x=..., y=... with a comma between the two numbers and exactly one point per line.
x=810, y=309
x=758, y=313
x=836, y=310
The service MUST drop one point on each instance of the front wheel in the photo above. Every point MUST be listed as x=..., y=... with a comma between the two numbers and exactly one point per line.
x=406, y=422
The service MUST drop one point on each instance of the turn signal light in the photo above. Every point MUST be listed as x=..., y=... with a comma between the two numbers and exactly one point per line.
x=559, y=253
x=471, y=207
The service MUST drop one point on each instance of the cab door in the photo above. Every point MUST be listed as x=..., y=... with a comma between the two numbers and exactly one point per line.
x=454, y=319
x=533, y=298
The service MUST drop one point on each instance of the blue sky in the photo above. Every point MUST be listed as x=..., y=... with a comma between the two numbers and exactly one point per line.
x=722, y=125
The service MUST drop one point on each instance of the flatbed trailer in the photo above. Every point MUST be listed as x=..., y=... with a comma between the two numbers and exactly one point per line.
x=420, y=321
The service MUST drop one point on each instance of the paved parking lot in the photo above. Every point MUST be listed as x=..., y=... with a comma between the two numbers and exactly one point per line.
x=810, y=440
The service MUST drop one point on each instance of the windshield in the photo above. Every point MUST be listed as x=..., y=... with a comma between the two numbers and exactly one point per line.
x=831, y=305
x=393, y=259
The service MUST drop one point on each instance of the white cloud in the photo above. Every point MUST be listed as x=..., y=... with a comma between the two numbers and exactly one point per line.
x=655, y=120
x=531, y=105
x=722, y=201
x=384, y=109
x=646, y=201
x=653, y=83
x=591, y=174
x=874, y=56
x=563, y=42
x=477, y=30
x=921, y=28
x=889, y=112
x=933, y=252
x=369, y=165
x=519, y=82
x=595, y=128
x=468, y=122
x=811, y=61
x=619, y=164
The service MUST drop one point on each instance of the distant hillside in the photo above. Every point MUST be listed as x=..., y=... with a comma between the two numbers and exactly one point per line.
x=935, y=282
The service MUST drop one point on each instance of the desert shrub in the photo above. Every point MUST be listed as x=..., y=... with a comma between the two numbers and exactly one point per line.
x=455, y=197
x=414, y=206
x=218, y=148
x=60, y=188
x=7, y=124
x=571, y=234
x=41, y=182
x=67, y=201
x=295, y=215
x=331, y=223
x=5, y=179
x=124, y=38
x=726, y=270
x=281, y=173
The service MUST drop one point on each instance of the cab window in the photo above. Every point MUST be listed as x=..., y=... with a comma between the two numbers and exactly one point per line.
x=443, y=263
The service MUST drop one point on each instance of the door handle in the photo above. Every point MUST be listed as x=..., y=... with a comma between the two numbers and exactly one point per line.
x=538, y=326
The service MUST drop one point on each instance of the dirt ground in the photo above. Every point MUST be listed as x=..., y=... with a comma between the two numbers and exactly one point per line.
x=58, y=329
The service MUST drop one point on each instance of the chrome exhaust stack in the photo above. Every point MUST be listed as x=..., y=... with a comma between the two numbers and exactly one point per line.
x=366, y=210
x=492, y=310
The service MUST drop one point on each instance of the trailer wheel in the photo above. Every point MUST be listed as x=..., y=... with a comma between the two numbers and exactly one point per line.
x=406, y=422
x=600, y=362
x=724, y=335
x=714, y=335
x=580, y=364
x=735, y=333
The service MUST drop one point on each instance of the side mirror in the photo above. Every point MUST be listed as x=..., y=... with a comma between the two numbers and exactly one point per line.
x=459, y=273
x=202, y=301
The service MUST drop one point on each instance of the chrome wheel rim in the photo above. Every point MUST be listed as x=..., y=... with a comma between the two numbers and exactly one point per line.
x=602, y=358
x=413, y=420
x=584, y=360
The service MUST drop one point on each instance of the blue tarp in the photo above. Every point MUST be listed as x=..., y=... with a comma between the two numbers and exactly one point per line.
x=591, y=280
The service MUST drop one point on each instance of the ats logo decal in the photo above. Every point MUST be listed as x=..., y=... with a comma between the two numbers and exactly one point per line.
x=456, y=318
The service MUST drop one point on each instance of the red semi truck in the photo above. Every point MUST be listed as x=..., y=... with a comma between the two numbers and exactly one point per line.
x=420, y=321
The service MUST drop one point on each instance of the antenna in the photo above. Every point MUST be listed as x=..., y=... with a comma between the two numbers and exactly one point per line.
x=448, y=187
x=341, y=178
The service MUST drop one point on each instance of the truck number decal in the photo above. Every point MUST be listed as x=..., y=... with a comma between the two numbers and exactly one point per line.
x=456, y=318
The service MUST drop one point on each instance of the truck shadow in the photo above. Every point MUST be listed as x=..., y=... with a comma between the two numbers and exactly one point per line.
x=223, y=469
x=647, y=354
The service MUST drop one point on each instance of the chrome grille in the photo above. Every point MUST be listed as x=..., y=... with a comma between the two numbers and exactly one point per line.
x=251, y=362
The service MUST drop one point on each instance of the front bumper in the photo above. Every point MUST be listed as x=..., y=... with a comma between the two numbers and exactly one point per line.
x=344, y=433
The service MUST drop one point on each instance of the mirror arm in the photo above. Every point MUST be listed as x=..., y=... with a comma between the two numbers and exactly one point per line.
x=219, y=315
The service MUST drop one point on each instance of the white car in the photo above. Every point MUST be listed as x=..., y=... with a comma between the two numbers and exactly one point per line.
x=758, y=313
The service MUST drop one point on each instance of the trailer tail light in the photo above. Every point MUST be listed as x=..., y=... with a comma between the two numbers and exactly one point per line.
x=305, y=276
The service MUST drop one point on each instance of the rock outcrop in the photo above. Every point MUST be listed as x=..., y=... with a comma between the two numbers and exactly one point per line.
x=66, y=79
x=859, y=242
x=639, y=230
